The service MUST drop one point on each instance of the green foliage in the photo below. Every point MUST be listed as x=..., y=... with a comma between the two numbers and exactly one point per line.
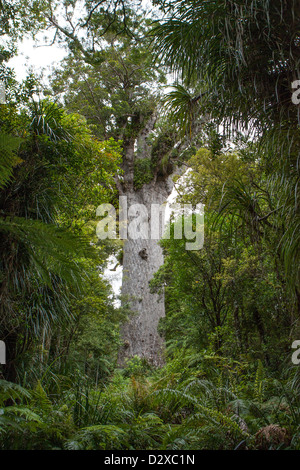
x=53, y=179
x=183, y=108
x=111, y=86
x=197, y=401
x=247, y=86
x=143, y=172
x=8, y=146
x=19, y=17
x=136, y=366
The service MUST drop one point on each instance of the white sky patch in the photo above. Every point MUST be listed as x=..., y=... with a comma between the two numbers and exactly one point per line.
x=113, y=274
x=36, y=57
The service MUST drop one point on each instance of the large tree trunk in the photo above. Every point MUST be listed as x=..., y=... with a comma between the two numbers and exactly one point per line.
x=141, y=259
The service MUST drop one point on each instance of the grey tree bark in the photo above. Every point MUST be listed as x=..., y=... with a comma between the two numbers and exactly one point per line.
x=141, y=259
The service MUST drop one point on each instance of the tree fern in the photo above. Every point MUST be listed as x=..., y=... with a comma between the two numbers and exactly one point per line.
x=8, y=159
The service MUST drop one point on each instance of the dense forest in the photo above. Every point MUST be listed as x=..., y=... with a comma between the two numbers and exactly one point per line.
x=200, y=98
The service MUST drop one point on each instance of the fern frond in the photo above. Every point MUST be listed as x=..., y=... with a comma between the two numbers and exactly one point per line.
x=8, y=160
